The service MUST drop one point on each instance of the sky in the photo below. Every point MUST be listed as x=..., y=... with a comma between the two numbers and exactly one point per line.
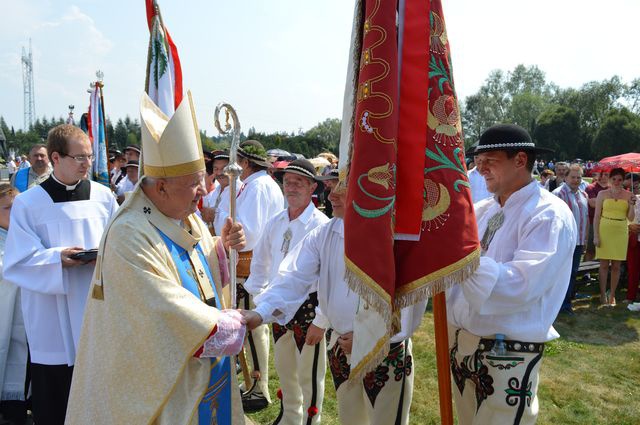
x=282, y=63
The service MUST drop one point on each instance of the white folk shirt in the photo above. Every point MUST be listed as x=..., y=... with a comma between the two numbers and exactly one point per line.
x=259, y=199
x=53, y=297
x=222, y=210
x=522, y=279
x=478, y=186
x=125, y=185
x=268, y=253
x=320, y=257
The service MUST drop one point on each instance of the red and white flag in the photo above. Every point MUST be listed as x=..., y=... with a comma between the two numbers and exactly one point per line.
x=164, y=74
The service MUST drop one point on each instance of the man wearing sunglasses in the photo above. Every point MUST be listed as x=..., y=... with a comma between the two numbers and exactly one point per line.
x=50, y=224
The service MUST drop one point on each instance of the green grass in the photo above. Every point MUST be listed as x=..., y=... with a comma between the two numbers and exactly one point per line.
x=591, y=375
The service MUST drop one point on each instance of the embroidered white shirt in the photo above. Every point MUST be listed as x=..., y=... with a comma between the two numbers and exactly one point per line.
x=320, y=257
x=268, y=253
x=259, y=199
x=521, y=282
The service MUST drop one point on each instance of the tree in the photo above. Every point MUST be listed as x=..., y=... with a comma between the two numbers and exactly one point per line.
x=120, y=133
x=632, y=95
x=558, y=128
x=325, y=136
x=619, y=133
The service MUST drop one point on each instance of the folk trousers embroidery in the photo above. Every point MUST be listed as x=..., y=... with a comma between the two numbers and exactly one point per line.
x=256, y=346
x=301, y=379
x=491, y=389
x=383, y=397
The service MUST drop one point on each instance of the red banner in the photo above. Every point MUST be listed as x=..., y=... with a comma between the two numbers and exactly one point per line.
x=407, y=175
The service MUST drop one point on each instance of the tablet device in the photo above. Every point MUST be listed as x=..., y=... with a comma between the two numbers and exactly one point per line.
x=86, y=255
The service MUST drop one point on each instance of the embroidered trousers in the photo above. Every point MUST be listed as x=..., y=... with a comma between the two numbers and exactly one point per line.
x=301, y=379
x=384, y=395
x=491, y=389
x=256, y=346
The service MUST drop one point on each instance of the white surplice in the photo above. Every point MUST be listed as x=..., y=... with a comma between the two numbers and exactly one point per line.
x=522, y=279
x=53, y=297
x=320, y=257
x=269, y=252
x=13, y=339
x=259, y=199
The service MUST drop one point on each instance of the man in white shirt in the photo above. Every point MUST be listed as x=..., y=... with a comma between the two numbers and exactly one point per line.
x=258, y=200
x=299, y=357
x=50, y=224
x=127, y=185
x=500, y=318
x=215, y=206
x=383, y=396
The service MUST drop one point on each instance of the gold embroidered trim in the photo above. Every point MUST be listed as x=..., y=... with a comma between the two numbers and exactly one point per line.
x=177, y=170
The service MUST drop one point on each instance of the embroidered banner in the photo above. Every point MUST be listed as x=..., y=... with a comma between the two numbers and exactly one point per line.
x=397, y=131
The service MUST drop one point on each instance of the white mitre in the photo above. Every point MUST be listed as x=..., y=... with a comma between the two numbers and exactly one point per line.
x=171, y=147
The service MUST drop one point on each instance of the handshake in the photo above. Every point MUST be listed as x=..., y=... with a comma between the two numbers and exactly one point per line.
x=250, y=319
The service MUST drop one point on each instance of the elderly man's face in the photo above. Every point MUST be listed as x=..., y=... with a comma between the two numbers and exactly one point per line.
x=573, y=179
x=182, y=194
x=38, y=158
x=298, y=190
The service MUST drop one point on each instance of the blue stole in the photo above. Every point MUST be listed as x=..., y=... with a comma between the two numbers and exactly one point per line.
x=215, y=406
x=21, y=181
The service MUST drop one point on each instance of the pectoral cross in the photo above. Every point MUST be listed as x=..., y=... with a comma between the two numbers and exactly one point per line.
x=286, y=240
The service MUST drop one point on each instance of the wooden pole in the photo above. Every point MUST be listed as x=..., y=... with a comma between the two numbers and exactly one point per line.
x=442, y=358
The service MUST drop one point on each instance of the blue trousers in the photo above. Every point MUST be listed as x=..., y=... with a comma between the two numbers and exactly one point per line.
x=577, y=254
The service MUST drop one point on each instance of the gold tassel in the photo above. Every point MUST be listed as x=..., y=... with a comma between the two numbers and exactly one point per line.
x=97, y=293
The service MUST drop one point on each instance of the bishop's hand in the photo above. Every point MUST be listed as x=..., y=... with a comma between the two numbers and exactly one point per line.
x=233, y=235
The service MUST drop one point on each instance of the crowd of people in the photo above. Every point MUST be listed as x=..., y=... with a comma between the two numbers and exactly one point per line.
x=142, y=330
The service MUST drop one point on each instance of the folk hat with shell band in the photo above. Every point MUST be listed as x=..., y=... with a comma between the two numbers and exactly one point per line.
x=132, y=148
x=301, y=167
x=506, y=137
x=331, y=175
x=254, y=152
x=220, y=155
x=171, y=146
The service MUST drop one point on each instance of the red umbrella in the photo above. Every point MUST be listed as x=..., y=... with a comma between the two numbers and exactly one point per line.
x=280, y=164
x=629, y=162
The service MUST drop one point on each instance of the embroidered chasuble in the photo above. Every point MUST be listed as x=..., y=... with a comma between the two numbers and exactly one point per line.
x=215, y=406
x=146, y=318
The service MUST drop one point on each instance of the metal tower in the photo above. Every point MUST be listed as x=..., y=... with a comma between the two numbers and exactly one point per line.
x=29, y=95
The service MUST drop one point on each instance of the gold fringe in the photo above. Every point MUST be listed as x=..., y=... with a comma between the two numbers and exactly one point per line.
x=370, y=361
x=437, y=282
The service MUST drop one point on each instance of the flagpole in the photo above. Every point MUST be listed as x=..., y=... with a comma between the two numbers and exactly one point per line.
x=104, y=119
x=442, y=358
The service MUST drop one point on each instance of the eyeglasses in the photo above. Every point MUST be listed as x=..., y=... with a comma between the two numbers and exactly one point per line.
x=80, y=158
